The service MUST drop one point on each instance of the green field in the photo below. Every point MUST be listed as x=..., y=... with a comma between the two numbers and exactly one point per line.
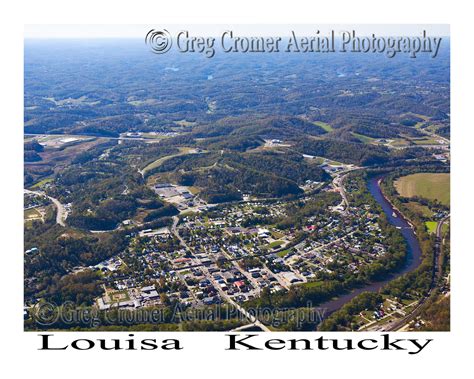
x=444, y=229
x=425, y=141
x=43, y=182
x=362, y=138
x=32, y=214
x=283, y=253
x=399, y=142
x=274, y=244
x=328, y=128
x=431, y=226
x=158, y=162
x=431, y=186
x=276, y=235
x=422, y=210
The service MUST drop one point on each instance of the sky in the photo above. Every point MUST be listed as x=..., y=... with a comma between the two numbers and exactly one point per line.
x=139, y=31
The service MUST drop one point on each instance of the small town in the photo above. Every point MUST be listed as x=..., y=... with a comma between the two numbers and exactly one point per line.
x=231, y=253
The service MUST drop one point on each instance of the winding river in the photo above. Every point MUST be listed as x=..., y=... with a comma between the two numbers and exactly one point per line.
x=414, y=251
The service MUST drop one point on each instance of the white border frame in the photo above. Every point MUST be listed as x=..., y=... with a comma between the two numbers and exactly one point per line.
x=204, y=354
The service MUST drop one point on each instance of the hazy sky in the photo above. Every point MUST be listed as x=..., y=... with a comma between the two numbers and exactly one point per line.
x=139, y=31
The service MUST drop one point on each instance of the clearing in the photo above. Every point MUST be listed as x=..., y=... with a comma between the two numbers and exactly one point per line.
x=433, y=186
x=431, y=226
x=328, y=128
x=158, y=162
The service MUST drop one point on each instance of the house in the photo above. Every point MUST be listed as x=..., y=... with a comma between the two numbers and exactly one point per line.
x=229, y=277
x=206, y=261
x=31, y=251
x=149, y=293
x=163, y=185
x=199, y=294
x=101, y=304
x=182, y=260
x=208, y=300
x=291, y=277
x=263, y=233
x=187, y=195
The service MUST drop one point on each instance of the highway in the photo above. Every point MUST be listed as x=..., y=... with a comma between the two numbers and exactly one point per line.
x=338, y=183
x=61, y=213
x=91, y=136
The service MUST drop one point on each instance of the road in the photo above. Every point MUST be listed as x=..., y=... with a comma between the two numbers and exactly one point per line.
x=444, y=145
x=92, y=136
x=61, y=213
x=174, y=230
x=435, y=136
x=242, y=310
x=370, y=326
x=439, y=248
x=223, y=294
x=437, y=272
x=338, y=183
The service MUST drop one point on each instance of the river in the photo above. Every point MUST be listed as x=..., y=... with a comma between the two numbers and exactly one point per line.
x=414, y=251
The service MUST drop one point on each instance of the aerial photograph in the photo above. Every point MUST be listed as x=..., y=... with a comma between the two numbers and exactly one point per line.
x=249, y=184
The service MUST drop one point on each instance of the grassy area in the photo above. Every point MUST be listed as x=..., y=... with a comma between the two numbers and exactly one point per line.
x=42, y=182
x=444, y=228
x=194, y=190
x=117, y=296
x=433, y=128
x=425, y=141
x=398, y=142
x=32, y=214
x=362, y=138
x=318, y=160
x=274, y=244
x=418, y=125
x=421, y=209
x=431, y=226
x=423, y=117
x=335, y=163
x=433, y=186
x=185, y=123
x=158, y=162
x=154, y=136
x=276, y=234
x=328, y=128
x=315, y=160
x=188, y=214
x=283, y=253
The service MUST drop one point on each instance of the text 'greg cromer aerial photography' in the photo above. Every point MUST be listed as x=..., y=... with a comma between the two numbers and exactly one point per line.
x=213, y=178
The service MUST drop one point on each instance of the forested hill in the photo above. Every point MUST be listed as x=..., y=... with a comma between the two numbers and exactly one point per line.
x=111, y=87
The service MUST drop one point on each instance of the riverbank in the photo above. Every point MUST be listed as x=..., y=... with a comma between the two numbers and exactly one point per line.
x=414, y=256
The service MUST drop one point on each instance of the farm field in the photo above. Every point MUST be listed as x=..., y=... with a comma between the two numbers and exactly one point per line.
x=433, y=186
